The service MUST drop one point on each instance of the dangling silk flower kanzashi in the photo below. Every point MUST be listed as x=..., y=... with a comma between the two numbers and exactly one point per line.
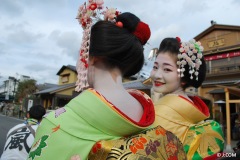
x=88, y=14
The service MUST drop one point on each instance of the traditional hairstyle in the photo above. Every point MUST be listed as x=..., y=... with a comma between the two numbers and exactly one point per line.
x=118, y=40
x=192, y=70
x=119, y=46
x=37, y=112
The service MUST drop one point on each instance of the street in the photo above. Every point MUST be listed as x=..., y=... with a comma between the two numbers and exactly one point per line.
x=5, y=124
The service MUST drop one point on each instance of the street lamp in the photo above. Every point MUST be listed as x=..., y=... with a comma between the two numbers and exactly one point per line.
x=220, y=104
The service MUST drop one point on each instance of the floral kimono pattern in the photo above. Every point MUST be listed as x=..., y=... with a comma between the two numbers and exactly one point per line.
x=186, y=119
x=71, y=131
x=155, y=143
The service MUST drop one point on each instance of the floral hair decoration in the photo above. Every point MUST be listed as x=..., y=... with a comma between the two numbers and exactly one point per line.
x=189, y=53
x=88, y=14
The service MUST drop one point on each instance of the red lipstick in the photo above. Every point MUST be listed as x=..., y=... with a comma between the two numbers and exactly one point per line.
x=158, y=83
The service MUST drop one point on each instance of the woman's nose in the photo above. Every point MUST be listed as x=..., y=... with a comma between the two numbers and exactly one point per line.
x=158, y=74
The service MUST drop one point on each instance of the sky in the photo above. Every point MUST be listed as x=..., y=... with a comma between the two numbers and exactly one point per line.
x=38, y=37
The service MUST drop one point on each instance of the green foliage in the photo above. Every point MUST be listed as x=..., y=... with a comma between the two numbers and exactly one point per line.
x=25, y=89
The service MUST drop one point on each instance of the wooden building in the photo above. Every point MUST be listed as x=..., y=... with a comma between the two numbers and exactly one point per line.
x=222, y=54
x=60, y=94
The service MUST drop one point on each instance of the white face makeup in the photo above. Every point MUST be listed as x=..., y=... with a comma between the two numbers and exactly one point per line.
x=164, y=75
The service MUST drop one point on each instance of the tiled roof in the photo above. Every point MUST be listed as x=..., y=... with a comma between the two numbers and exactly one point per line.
x=45, y=86
x=71, y=67
x=56, y=88
x=215, y=82
x=137, y=84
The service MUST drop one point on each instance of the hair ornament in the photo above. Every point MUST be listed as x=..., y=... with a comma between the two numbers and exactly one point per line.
x=189, y=53
x=178, y=39
x=119, y=24
x=142, y=32
x=88, y=14
x=111, y=14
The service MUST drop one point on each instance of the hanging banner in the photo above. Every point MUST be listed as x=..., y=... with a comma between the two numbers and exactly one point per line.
x=222, y=56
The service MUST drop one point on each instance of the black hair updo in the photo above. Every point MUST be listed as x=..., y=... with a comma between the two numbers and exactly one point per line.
x=118, y=46
x=172, y=45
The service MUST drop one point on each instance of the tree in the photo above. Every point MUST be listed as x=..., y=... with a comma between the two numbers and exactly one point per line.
x=25, y=89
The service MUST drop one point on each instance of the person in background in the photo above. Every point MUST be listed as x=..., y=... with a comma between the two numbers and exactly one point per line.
x=2, y=105
x=20, y=112
x=106, y=110
x=234, y=129
x=20, y=138
x=180, y=65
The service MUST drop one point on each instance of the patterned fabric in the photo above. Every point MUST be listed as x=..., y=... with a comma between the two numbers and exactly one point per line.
x=156, y=143
x=70, y=132
x=185, y=119
x=19, y=141
x=31, y=121
x=203, y=140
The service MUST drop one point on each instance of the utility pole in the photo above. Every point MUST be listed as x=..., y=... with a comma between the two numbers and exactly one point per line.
x=16, y=80
x=14, y=87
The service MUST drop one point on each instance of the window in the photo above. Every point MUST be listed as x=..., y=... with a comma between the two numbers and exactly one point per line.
x=65, y=78
x=223, y=65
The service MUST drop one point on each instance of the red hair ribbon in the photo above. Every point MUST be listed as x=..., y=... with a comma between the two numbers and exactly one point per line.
x=142, y=32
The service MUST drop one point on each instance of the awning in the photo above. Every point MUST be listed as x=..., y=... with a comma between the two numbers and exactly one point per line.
x=222, y=55
x=233, y=90
x=215, y=91
x=238, y=82
x=218, y=82
x=137, y=84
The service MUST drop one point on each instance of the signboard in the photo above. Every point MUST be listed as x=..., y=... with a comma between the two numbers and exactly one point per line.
x=216, y=43
x=7, y=97
x=222, y=56
x=30, y=104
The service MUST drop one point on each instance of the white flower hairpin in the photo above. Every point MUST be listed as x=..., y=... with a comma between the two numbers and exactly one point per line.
x=189, y=53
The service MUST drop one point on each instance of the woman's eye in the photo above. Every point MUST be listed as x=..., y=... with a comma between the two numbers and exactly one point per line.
x=167, y=70
x=155, y=67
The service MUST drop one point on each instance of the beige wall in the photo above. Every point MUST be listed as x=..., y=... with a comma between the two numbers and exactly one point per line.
x=220, y=39
x=67, y=91
x=72, y=76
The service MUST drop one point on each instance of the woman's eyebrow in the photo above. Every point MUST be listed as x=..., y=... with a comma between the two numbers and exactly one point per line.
x=168, y=64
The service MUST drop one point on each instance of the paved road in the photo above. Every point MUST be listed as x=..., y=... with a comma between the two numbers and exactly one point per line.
x=5, y=124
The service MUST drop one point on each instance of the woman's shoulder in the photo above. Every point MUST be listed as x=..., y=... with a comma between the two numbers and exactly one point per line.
x=138, y=92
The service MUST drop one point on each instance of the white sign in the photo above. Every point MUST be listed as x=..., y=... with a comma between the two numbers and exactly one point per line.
x=7, y=97
x=30, y=104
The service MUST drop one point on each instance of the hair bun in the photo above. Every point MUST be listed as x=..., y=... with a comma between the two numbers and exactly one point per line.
x=129, y=20
x=132, y=23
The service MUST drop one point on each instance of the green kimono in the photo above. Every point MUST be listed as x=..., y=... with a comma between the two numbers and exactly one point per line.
x=70, y=132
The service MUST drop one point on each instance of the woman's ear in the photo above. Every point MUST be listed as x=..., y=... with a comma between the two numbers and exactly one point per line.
x=92, y=60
